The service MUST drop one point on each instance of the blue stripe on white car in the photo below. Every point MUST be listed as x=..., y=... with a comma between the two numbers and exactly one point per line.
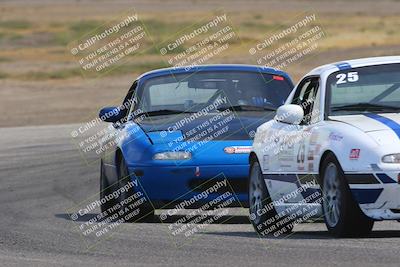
x=385, y=178
x=343, y=66
x=366, y=196
x=388, y=122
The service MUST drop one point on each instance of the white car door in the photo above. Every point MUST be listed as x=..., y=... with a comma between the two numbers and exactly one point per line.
x=308, y=97
x=293, y=159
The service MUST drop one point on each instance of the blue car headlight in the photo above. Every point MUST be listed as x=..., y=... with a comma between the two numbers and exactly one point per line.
x=172, y=155
x=391, y=158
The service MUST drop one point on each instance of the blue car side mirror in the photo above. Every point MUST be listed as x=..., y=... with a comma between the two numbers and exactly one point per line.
x=110, y=114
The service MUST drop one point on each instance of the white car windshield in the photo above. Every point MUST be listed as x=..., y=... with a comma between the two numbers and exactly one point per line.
x=364, y=90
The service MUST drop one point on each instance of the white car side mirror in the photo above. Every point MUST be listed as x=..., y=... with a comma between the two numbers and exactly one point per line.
x=292, y=114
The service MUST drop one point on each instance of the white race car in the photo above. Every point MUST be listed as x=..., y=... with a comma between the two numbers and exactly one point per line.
x=332, y=151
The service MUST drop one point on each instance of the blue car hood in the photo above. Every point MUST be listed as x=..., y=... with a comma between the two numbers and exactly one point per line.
x=161, y=137
x=183, y=127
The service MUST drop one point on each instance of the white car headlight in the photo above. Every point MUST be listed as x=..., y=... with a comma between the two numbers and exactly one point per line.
x=391, y=158
x=172, y=155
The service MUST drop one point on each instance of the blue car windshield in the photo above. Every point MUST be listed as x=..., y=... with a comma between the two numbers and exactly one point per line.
x=191, y=92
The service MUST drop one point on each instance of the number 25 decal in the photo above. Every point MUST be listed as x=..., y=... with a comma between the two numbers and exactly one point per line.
x=349, y=77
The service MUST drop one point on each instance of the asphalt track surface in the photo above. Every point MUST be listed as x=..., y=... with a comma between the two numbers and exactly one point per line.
x=43, y=175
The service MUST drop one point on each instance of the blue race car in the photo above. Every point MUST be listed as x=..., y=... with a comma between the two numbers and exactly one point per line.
x=178, y=128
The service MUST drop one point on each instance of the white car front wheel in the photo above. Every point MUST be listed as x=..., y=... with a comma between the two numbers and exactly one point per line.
x=342, y=214
x=263, y=215
x=332, y=195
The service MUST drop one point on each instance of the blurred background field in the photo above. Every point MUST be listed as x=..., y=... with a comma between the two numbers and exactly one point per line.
x=41, y=82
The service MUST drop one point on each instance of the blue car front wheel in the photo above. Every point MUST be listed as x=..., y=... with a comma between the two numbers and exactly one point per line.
x=133, y=205
x=105, y=190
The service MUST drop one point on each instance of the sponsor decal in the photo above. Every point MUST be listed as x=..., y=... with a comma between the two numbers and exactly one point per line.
x=310, y=155
x=197, y=171
x=343, y=66
x=278, y=78
x=335, y=137
x=314, y=138
x=237, y=149
x=355, y=153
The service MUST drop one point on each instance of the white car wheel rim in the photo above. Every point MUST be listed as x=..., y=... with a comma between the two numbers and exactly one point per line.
x=332, y=195
x=255, y=195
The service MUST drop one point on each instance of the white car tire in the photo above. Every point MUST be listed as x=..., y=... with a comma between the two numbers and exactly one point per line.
x=342, y=214
x=263, y=215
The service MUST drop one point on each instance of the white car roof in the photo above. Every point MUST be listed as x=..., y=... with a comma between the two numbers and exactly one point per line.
x=353, y=63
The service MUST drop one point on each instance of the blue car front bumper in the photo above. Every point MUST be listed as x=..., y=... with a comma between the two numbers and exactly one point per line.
x=166, y=185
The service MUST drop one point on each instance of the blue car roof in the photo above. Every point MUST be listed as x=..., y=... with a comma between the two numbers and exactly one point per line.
x=215, y=67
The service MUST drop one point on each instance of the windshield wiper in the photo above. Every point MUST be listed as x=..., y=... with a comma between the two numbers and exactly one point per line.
x=364, y=107
x=161, y=112
x=245, y=108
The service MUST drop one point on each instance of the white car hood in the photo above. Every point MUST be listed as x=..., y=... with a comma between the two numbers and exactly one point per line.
x=384, y=128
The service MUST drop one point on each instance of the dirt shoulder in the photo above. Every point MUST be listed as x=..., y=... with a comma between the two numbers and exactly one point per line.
x=53, y=102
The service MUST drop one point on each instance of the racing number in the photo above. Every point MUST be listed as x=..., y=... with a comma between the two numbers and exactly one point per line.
x=349, y=77
x=301, y=154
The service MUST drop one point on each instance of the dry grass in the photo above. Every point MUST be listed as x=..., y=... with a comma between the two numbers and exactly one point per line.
x=34, y=38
